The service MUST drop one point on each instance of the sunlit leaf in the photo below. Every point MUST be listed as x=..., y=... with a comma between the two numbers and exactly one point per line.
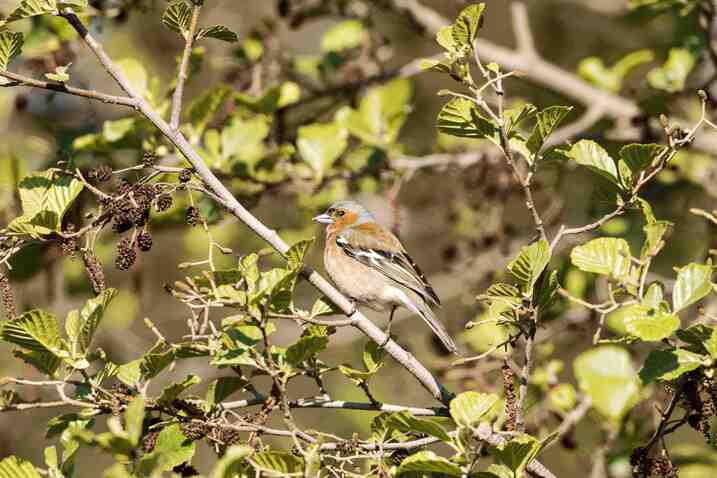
x=10, y=47
x=671, y=76
x=34, y=330
x=177, y=17
x=31, y=8
x=344, y=36
x=218, y=32
x=233, y=461
x=648, y=324
x=222, y=388
x=666, y=365
x=465, y=28
x=591, y=155
x=171, y=449
x=321, y=144
x=14, y=467
x=702, y=337
x=607, y=375
x=517, y=453
x=405, y=422
x=305, y=348
x=545, y=123
x=460, y=117
x=530, y=263
x=468, y=408
x=277, y=464
x=427, y=461
x=172, y=391
x=692, y=284
x=605, y=255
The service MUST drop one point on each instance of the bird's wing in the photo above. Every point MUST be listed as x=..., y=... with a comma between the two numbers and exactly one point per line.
x=379, y=249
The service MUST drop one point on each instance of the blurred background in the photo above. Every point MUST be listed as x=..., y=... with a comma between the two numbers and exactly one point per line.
x=454, y=203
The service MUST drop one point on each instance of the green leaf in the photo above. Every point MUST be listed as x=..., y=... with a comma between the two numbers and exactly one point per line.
x=202, y=109
x=321, y=144
x=465, y=28
x=605, y=255
x=323, y=307
x=639, y=156
x=81, y=327
x=460, y=117
x=10, y=47
x=46, y=362
x=654, y=295
x=222, y=388
x=530, y=263
x=174, y=390
x=130, y=373
x=177, y=17
x=35, y=330
x=517, y=453
x=429, y=462
x=344, y=36
x=136, y=74
x=31, y=8
x=297, y=252
x=218, y=32
x=372, y=360
x=692, y=284
x=381, y=113
x=611, y=79
x=171, y=450
x=671, y=76
x=243, y=139
x=702, y=338
x=650, y=325
x=133, y=417
x=654, y=234
x=14, y=467
x=606, y=374
x=232, y=463
x=305, y=348
x=373, y=356
x=45, y=197
x=591, y=155
x=468, y=408
x=666, y=365
x=60, y=74
x=407, y=423
x=279, y=464
x=545, y=123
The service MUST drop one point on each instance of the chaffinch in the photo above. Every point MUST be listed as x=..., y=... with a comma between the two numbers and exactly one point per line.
x=370, y=265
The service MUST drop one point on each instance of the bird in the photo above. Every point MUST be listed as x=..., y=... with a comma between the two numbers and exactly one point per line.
x=369, y=264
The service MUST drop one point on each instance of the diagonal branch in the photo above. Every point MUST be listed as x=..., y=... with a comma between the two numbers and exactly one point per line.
x=183, y=67
x=530, y=64
x=230, y=203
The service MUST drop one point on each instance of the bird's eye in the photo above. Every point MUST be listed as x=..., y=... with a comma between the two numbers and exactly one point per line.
x=340, y=213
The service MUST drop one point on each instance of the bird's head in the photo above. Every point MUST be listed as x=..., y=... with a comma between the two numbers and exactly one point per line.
x=344, y=214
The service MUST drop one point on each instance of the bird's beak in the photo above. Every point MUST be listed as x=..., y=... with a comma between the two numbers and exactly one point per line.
x=323, y=219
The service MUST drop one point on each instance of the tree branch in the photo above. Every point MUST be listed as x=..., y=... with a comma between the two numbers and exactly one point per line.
x=532, y=66
x=19, y=80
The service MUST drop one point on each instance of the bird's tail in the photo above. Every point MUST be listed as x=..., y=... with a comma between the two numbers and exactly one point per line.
x=420, y=307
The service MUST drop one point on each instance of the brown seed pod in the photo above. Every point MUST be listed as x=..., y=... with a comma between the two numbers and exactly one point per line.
x=144, y=241
x=126, y=254
x=93, y=266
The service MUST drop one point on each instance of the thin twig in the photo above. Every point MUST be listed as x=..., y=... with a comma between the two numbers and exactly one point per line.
x=20, y=80
x=183, y=69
